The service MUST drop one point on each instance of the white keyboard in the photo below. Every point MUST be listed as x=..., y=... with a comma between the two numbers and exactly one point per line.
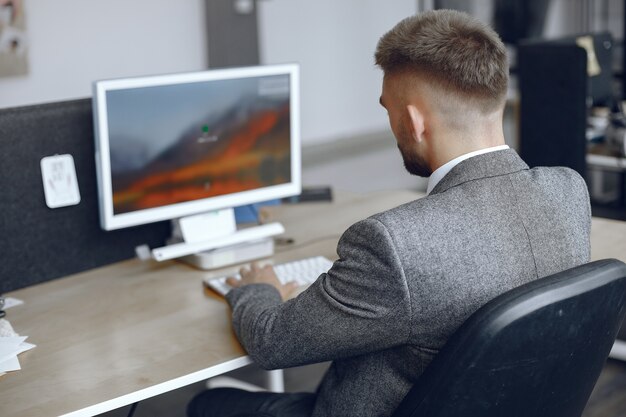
x=303, y=271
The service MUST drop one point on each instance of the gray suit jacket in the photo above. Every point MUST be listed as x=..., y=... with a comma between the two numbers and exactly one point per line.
x=407, y=278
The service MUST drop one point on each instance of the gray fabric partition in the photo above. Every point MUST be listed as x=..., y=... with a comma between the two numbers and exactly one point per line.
x=39, y=243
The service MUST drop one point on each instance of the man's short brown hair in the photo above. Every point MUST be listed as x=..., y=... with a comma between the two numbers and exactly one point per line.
x=454, y=50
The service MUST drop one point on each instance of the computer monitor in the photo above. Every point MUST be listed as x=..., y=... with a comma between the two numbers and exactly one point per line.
x=171, y=146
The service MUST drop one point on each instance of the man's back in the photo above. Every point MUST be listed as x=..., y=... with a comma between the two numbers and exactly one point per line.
x=407, y=278
x=490, y=225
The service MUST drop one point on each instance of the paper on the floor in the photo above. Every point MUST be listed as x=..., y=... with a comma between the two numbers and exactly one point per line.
x=11, y=345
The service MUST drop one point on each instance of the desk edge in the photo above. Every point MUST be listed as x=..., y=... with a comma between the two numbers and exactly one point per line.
x=161, y=388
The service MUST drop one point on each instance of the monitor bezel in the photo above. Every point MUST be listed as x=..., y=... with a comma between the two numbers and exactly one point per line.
x=111, y=221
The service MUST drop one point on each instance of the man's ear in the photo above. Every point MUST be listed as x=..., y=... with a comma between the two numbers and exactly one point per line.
x=416, y=118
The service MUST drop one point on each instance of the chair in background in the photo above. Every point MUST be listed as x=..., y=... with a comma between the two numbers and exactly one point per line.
x=536, y=350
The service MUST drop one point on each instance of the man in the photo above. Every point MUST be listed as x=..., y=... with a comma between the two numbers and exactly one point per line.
x=407, y=278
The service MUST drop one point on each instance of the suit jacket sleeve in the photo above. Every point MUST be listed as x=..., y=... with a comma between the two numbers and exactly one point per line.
x=361, y=305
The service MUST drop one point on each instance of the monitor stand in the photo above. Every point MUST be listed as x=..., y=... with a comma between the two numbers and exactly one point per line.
x=211, y=240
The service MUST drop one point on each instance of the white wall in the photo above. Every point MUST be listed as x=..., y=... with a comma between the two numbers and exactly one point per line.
x=565, y=17
x=334, y=42
x=74, y=42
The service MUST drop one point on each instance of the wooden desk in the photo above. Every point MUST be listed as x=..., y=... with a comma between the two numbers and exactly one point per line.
x=132, y=330
x=129, y=331
x=608, y=239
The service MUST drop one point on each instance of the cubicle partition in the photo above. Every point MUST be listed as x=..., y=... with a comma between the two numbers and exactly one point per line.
x=39, y=243
x=553, y=105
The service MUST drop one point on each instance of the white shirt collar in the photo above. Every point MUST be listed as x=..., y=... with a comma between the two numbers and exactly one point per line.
x=441, y=172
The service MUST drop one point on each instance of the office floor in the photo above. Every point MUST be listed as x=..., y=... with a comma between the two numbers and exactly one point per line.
x=609, y=395
x=371, y=163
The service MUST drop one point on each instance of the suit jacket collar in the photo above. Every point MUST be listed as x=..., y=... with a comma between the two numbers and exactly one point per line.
x=487, y=165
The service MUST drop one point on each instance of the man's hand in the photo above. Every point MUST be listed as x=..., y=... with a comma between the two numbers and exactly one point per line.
x=262, y=275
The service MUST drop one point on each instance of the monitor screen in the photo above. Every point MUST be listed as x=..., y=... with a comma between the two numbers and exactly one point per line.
x=175, y=145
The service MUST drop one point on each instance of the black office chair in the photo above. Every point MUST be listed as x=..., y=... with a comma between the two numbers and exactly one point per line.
x=536, y=350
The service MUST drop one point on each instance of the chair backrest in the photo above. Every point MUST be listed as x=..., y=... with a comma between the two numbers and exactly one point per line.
x=536, y=350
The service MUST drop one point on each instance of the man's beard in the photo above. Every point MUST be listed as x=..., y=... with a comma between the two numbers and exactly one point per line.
x=413, y=162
